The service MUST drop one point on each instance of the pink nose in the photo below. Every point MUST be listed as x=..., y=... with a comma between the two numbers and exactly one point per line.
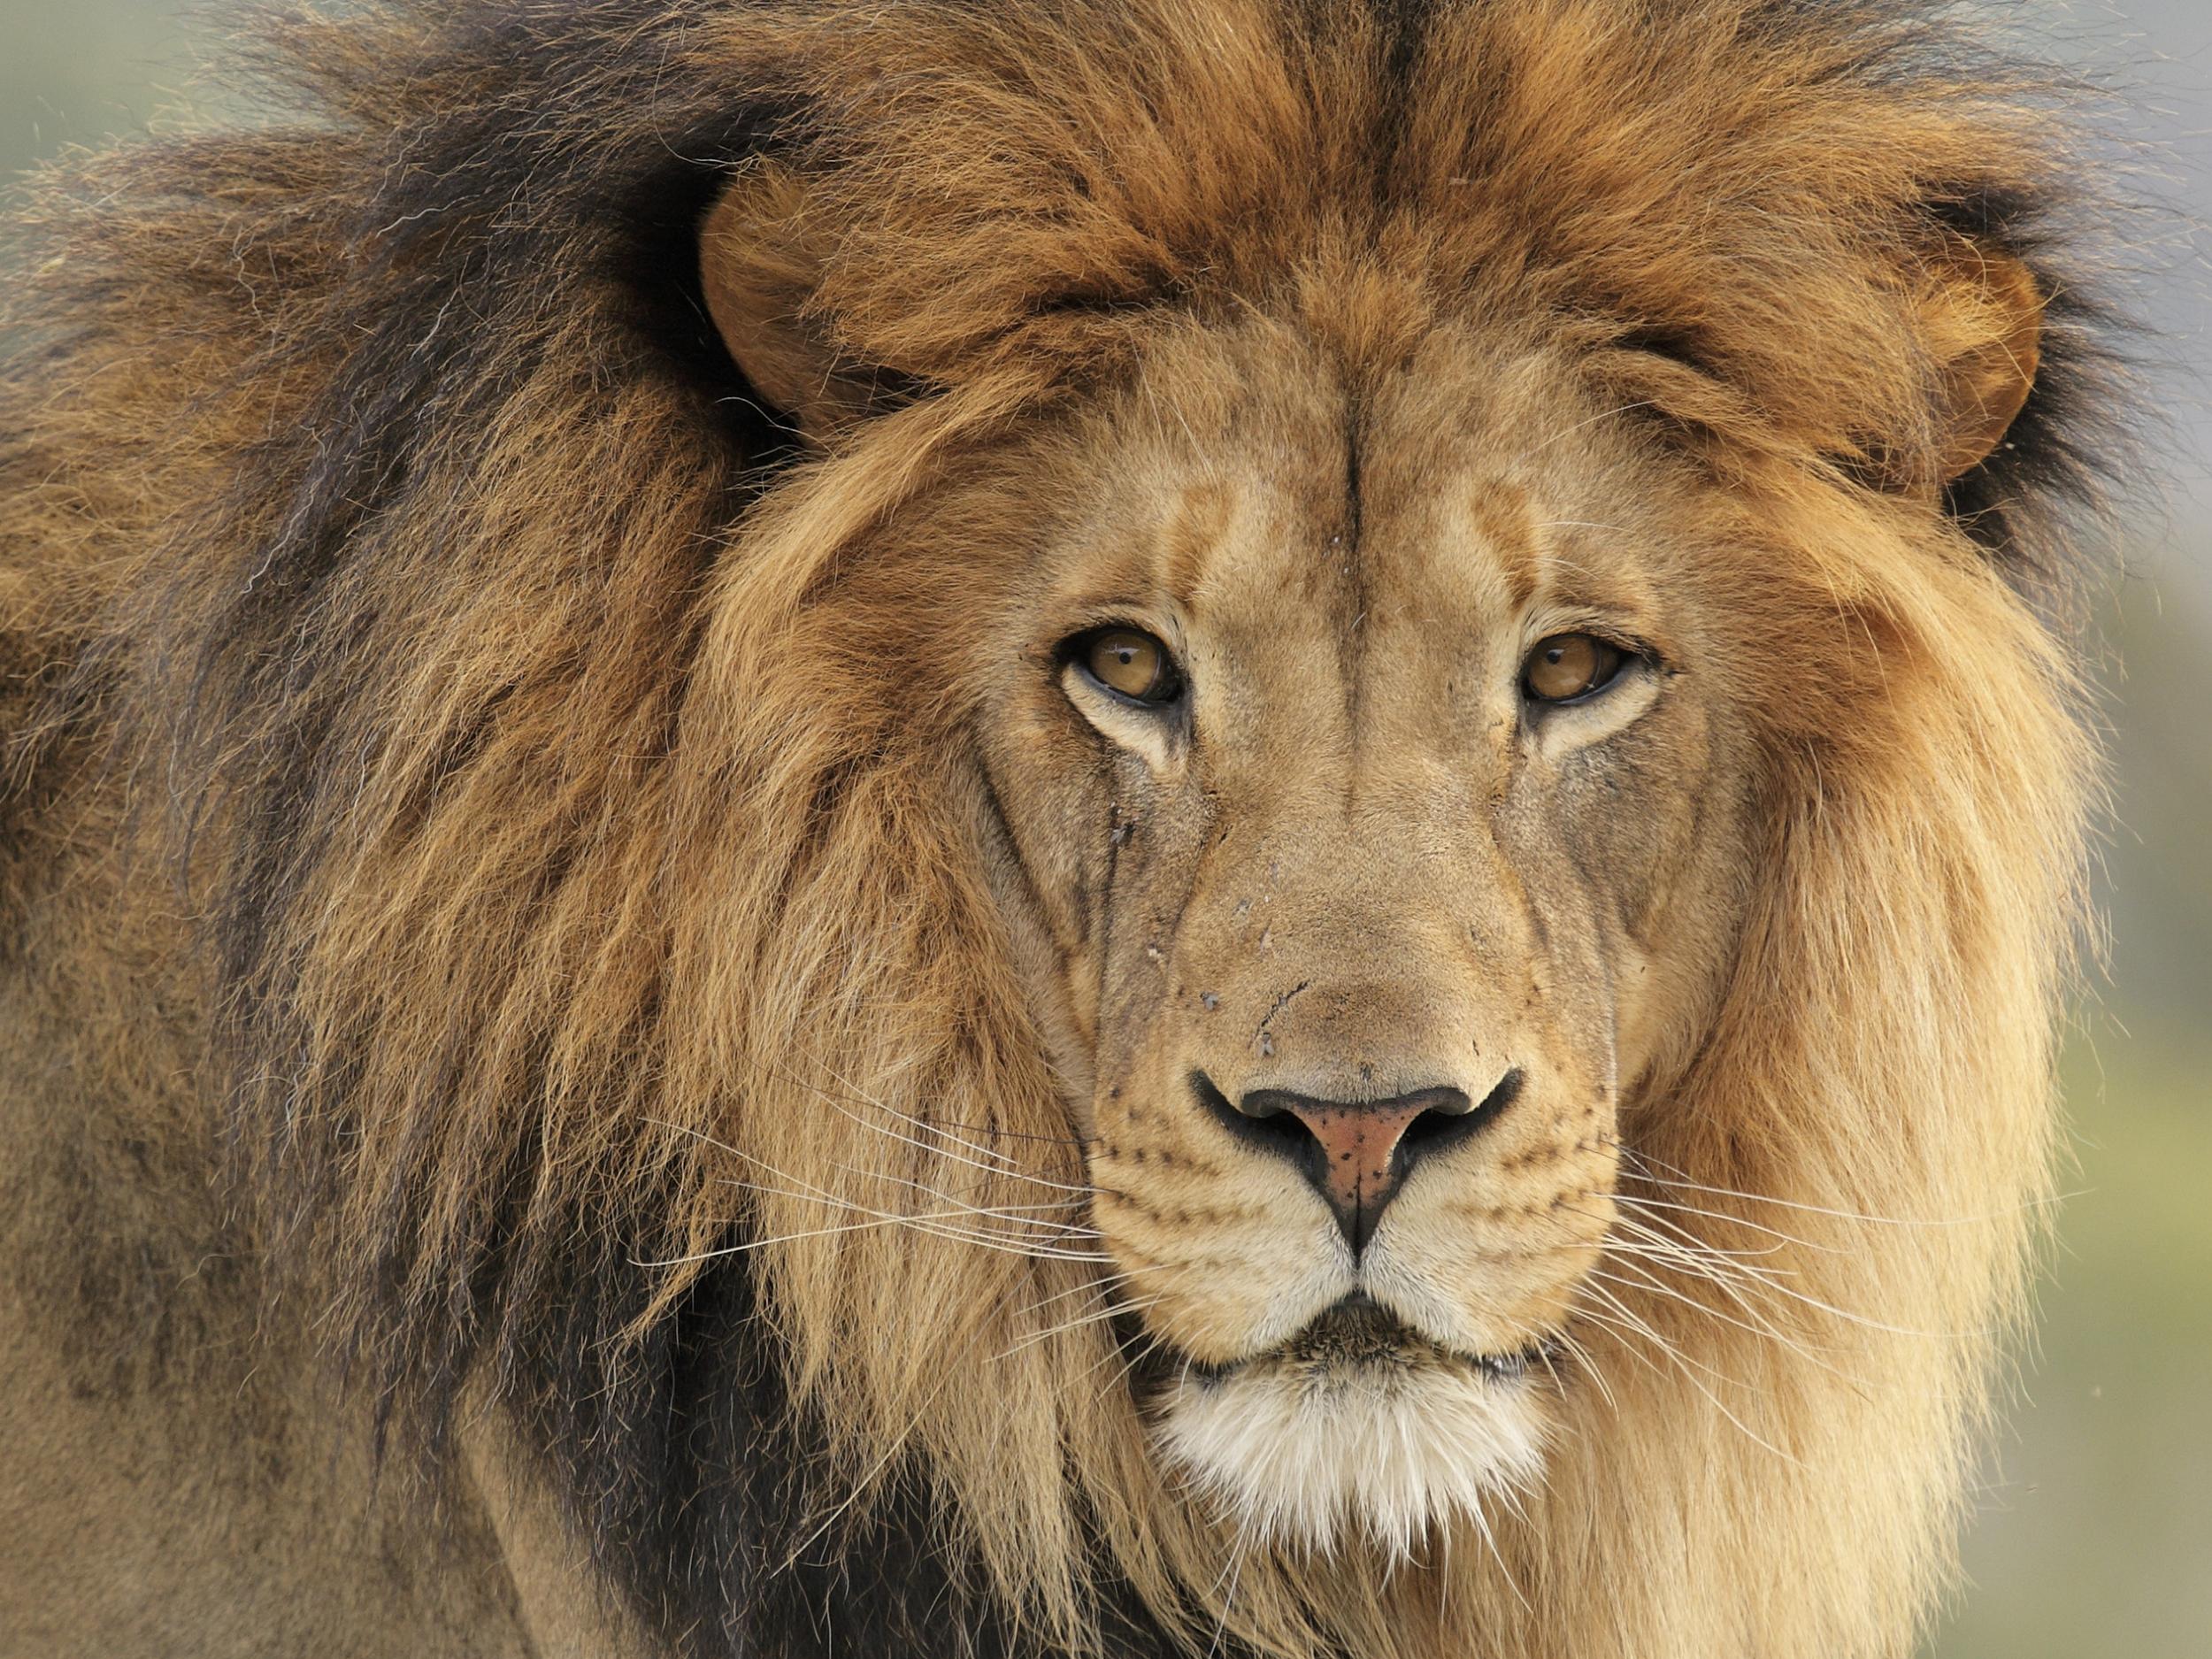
x=1356, y=1153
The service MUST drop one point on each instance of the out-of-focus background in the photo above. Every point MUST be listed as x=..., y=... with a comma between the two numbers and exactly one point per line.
x=2095, y=1537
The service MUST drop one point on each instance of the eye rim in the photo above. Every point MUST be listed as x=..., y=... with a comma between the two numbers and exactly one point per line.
x=1625, y=655
x=1166, y=692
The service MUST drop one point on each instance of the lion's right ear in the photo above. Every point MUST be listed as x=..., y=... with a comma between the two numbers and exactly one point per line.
x=1981, y=314
x=759, y=263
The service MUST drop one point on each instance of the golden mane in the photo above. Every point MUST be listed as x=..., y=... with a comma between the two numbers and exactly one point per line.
x=378, y=513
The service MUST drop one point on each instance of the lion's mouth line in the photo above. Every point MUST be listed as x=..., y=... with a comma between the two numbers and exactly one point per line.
x=1357, y=1332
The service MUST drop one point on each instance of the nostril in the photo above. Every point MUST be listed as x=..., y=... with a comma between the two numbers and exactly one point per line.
x=1257, y=1119
x=1447, y=1122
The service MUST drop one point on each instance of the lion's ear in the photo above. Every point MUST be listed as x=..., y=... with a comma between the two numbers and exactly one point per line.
x=1982, y=317
x=759, y=263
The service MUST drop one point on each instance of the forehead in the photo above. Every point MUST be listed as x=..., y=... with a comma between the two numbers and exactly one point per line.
x=1258, y=477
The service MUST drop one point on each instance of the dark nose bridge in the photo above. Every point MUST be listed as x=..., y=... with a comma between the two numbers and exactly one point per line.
x=1347, y=968
x=1356, y=1153
x=1374, y=875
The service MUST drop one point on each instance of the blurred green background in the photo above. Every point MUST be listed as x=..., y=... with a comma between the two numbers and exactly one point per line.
x=2095, y=1529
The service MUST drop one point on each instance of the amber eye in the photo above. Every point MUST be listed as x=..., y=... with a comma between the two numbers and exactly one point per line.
x=1570, y=665
x=1133, y=664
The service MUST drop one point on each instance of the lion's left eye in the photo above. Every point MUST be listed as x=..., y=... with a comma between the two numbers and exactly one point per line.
x=1567, y=667
x=1131, y=662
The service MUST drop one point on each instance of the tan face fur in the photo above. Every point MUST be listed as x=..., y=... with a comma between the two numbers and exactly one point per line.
x=1353, y=861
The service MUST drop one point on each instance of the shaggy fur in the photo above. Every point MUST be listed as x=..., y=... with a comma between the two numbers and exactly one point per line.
x=485, y=898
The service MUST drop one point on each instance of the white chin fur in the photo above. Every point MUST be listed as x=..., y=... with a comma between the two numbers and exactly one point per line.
x=1303, y=1454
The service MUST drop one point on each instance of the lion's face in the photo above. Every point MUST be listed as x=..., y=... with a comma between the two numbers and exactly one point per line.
x=1361, y=749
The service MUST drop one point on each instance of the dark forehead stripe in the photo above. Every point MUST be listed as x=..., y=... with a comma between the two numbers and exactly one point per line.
x=1500, y=511
x=1196, y=526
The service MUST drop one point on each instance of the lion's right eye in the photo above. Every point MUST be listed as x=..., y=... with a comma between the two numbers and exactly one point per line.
x=1131, y=663
x=1568, y=667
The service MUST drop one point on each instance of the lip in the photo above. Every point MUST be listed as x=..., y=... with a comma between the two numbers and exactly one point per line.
x=1357, y=1332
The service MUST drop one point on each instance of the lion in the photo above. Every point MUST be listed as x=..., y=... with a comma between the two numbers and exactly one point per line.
x=1109, y=827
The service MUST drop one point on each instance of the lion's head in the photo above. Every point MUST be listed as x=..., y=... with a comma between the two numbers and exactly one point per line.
x=1270, y=830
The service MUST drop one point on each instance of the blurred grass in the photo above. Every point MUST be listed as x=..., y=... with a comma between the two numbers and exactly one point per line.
x=2094, y=1535
x=2095, y=1531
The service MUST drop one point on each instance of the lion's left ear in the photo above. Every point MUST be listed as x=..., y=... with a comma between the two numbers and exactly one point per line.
x=759, y=264
x=1982, y=319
